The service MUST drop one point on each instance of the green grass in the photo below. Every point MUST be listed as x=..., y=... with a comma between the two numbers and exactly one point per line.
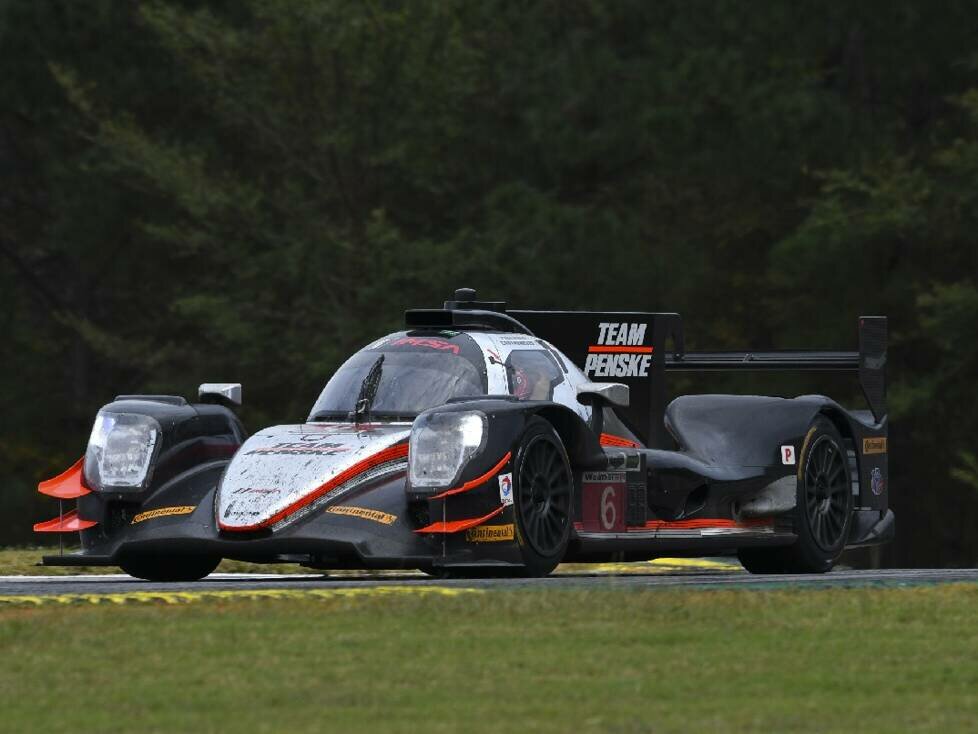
x=842, y=660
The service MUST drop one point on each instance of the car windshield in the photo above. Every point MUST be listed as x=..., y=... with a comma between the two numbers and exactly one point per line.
x=416, y=374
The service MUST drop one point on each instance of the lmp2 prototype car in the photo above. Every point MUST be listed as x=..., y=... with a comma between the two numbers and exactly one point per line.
x=480, y=439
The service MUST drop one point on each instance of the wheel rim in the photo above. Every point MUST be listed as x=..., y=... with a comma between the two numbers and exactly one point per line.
x=543, y=496
x=826, y=493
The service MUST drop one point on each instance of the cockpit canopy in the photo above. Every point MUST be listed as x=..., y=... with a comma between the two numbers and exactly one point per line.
x=418, y=371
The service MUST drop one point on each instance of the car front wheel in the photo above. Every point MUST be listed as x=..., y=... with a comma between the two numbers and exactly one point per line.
x=169, y=568
x=542, y=498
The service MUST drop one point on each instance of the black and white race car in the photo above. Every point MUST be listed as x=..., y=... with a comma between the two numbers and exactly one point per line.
x=480, y=438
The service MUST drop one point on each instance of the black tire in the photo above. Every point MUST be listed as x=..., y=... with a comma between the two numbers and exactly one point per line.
x=823, y=510
x=542, y=500
x=169, y=568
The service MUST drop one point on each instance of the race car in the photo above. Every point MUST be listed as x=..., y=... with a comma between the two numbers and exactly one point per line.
x=484, y=440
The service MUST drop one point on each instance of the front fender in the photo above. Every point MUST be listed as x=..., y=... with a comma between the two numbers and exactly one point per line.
x=507, y=420
x=185, y=500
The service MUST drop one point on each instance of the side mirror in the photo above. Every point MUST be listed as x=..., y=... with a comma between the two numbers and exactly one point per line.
x=595, y=393
x=222, y=393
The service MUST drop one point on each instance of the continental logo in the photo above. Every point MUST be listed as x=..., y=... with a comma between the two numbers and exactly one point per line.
x=490, y=533
x=367, y=514
x=874, y=445
x=164, y=512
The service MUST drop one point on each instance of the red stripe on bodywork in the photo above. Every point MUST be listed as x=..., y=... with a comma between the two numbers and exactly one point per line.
x=398, y=451
x=67, y=523
x=704, y=523
x=67, y=485
x=457, y=525
x=473, y=483
x=608, y=439
x=601, y=349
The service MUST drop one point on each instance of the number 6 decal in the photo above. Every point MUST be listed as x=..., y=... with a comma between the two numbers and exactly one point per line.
x=603, y=502
x=608, y=512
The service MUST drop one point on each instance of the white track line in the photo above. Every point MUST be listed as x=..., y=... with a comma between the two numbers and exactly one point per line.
x=124, y=577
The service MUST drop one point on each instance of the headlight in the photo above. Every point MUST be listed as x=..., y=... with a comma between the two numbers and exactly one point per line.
x=120, y=450
x=441, y=444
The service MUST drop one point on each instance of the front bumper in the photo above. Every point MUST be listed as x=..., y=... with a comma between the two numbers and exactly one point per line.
x=375, y=529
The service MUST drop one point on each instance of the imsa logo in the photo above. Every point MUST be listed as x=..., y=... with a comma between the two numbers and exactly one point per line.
x=619, y=352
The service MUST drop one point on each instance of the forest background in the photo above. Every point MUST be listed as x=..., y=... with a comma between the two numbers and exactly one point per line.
x=248, y=191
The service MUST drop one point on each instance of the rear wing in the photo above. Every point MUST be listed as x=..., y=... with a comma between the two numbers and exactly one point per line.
x=638, y=348
x=869, y=361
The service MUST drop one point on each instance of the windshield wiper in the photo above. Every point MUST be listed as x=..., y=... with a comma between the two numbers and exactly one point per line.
x=368, y=391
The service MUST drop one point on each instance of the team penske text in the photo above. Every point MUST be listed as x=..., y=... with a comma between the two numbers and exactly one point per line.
x=617, y=365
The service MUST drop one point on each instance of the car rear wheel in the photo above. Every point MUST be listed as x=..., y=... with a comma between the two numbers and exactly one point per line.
x=823, y=509
x=169, y=568
x=542, y=498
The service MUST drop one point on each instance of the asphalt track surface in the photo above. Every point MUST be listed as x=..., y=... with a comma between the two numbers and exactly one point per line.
x=702, y=574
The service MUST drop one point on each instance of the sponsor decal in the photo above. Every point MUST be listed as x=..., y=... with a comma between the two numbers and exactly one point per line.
x=515, y=341
x=619, y=352
x=426, y=342
x=874, y=445
x=623, y=334
x=229, y=511
x=384, y=518
x=256, y=490
x=163, y=512
x=506, y=488
x=617, y=365
x=788, y=455
x=877, y=482
x=620, y=460
x=603, y=501
x=603, y=476
x=490, y=533
x=313, y=445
